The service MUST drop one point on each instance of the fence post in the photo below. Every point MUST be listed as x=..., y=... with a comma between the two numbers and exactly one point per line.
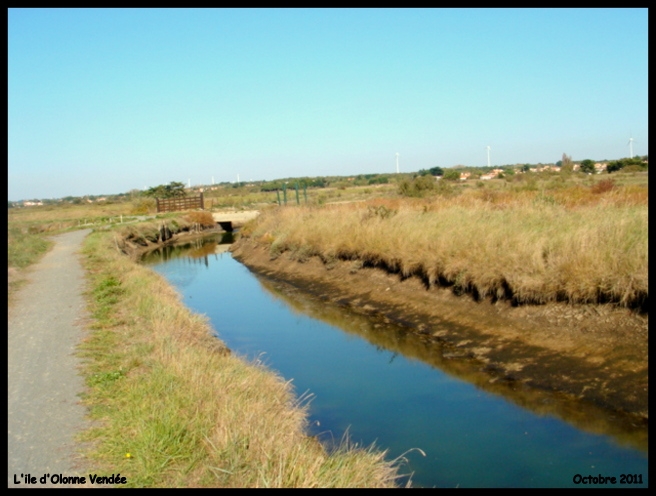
x=278, y=195
x=297, y=200
x=284, y=192
x=202, y=201
x=305, y=192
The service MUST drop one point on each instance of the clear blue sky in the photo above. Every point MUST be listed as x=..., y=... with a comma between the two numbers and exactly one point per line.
x=104, y=101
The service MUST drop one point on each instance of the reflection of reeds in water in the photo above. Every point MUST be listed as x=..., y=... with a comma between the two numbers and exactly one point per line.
x=197, y=249
x=203, y=250
x=394, y=338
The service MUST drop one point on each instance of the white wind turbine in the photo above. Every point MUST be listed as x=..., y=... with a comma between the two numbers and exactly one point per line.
x=488, y=155
x=630, y=143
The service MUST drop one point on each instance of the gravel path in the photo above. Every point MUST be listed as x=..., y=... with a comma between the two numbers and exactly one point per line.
x=44, y=412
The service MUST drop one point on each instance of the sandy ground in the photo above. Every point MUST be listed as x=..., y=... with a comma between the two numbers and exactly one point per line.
x=44, y=328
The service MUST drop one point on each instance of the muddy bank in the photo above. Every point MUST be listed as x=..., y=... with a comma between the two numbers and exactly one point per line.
x=596, y=355
x=135, y=249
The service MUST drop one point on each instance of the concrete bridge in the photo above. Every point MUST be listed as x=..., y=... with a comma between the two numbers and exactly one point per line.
x=231, y=220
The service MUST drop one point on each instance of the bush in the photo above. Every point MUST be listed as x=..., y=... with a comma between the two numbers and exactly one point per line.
x=635, y=168
x=451, y=175
x=418, y=187
x=143, y=206
x=205, y=219
x=603, y=186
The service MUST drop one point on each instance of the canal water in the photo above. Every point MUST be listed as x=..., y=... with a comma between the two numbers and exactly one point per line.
x=449, y=423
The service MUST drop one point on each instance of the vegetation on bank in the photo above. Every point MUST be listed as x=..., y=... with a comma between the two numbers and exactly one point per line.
x=165, y=390
x=24, y=247
x=529, y=243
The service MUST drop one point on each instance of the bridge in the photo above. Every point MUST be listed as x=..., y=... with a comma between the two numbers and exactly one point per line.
x=232, y=220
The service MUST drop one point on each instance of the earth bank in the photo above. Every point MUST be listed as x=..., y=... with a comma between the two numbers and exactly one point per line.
x=596, y=354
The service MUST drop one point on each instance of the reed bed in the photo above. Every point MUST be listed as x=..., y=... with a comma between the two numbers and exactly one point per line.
x=572, y=244
x=188, y=412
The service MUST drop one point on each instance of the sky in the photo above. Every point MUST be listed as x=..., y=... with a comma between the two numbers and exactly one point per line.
x=103, y=101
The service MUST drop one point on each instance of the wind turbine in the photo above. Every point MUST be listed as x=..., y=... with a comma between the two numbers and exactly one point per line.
x=630, y=143
x=397, y=162
x=488, y=155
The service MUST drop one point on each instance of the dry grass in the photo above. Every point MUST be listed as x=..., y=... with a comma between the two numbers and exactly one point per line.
x=190, y=413
x=67, y=212
x=573, y=243
x=204, y=218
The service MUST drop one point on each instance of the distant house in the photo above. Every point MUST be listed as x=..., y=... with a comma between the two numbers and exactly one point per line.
x=487, y=177
x=464, y=176
x=599, y=167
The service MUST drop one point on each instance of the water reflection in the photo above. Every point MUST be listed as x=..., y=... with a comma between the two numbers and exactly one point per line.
x=194, y=251
x=386, y=336
x=385, y=384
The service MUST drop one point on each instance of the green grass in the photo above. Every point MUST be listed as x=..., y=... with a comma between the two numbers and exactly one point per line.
x=25, y=247
x=162, y=388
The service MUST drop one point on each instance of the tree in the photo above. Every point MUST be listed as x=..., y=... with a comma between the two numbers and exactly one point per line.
x=588, y=166
x=451, y=175
x=620, y=164
x=171, y=190
x=436, y=171
x=566, y=163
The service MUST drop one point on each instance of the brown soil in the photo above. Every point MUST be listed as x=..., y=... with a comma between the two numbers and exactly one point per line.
x=595, y=354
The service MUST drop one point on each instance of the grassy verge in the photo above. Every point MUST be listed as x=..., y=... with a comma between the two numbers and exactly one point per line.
x=189, y=413
x=24, y=248
x=577, y=243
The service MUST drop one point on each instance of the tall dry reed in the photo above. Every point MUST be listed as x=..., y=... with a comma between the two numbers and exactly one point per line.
x=531, y=246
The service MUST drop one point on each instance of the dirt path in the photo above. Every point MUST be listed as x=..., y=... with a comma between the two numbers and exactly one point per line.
x=44, y=412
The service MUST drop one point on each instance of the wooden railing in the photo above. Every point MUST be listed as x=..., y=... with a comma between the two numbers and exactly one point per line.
x=174, y=204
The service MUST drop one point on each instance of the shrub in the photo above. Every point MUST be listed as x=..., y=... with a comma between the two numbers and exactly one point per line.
x=418, y=187
x=603, y=186
x=381, y=211
x=143, y=206
x=451, y=175
x=205, y=219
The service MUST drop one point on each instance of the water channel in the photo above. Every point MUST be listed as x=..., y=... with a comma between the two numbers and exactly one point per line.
x=453, y=424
